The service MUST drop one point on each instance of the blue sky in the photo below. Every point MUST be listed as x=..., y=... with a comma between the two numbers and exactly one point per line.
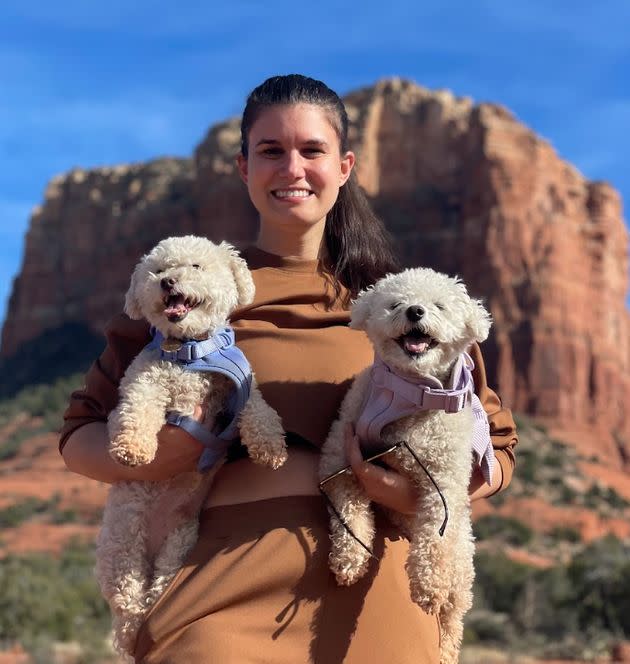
x=87, y=83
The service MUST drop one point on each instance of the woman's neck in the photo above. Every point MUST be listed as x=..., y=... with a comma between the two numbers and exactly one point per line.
x=304, y=244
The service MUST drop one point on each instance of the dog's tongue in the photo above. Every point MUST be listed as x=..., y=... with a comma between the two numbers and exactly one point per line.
x=415, y=345
x=176, y=306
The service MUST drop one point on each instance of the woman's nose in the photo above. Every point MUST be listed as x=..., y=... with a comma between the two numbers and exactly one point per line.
x=293, y=165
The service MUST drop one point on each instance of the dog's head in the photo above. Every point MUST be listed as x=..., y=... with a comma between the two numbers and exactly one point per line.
x=187, y=286
x=420, y=320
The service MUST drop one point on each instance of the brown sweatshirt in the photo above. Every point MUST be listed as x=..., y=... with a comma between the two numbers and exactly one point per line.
x=304, y=356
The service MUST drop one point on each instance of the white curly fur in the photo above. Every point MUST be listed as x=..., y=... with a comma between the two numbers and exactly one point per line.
x=149, y=527
x=440, y=569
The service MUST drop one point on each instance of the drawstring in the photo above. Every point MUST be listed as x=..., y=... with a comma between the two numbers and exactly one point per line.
x=376, y=456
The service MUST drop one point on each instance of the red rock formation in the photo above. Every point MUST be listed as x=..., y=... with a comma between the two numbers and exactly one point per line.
x=465, y=188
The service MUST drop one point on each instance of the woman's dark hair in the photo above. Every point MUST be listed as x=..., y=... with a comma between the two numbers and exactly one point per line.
x=358, y=248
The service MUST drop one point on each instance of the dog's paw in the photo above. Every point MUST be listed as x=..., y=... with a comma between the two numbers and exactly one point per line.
x=427, y=599
x=131, y=457
x=347, y=570
x=272, y=456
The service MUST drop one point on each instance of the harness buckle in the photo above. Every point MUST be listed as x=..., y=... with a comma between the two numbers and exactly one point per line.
x=454, y=403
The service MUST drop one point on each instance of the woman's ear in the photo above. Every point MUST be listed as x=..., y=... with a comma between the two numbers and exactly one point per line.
x=241, y=164
x=347, y=164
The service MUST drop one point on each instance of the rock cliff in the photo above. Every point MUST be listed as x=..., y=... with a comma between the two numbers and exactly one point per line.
x=464, y=188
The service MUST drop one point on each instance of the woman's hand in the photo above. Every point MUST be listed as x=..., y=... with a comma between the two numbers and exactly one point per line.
x=387, y=487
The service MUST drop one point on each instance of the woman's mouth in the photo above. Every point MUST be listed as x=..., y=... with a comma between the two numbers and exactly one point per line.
x=291, y=194
x=416, y=342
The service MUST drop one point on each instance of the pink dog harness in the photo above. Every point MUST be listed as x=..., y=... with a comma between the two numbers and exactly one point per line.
x=392, y=396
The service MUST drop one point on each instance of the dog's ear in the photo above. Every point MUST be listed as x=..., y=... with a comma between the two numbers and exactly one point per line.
x=242, y=275
x=479, y=321
x=361, y=309
x=132, y=301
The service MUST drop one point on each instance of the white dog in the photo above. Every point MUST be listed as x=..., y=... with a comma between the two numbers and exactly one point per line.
x=186, y=287
x=419, y=390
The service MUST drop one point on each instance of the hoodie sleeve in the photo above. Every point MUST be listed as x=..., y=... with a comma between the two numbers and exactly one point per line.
x=502, y=426
x=99, y=394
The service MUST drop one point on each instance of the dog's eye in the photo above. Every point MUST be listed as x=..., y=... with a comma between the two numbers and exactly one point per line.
x=159, y=271
x=395, y=305
x=440, y=306
x=196, y=266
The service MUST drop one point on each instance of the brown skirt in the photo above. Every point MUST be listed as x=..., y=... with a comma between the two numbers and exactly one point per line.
x=256, y=589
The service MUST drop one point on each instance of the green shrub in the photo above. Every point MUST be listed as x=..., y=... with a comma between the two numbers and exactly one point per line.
x=41, y=595
x=600, y=577
x=527, y=469
x=508, y=529
x=499, y=581
x=565, y=534
x=15, y=514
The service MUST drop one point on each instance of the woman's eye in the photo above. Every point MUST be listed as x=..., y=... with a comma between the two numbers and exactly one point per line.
x=272, y=152
x=313, y=152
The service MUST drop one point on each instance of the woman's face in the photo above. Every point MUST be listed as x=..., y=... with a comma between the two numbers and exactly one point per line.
x=294, y=167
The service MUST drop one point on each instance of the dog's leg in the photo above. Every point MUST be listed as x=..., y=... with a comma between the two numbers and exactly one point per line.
x=348, y=558
x=122, y=564
x=353, y=535
x=261, y=431
x=428, y=563
x=134, y=425
x=460, y=598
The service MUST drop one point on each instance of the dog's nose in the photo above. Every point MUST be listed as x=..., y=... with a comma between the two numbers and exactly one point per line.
x=167, y=283
x=414, y=314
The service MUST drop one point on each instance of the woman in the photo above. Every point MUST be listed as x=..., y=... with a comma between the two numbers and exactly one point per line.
x=256, y=587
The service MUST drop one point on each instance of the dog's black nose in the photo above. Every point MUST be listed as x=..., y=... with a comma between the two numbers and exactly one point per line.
x=414, y=314
x=167, y=283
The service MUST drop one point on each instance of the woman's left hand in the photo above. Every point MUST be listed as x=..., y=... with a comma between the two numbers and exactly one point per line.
x=384, y=486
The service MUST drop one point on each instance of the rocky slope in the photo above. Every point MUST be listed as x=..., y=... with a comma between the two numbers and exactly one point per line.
x=465, y=188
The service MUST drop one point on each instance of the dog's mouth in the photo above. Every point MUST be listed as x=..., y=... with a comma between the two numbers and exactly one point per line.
x=177, y=307
x=416, y=342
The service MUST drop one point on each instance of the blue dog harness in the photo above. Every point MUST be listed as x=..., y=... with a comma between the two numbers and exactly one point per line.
x=217, y=354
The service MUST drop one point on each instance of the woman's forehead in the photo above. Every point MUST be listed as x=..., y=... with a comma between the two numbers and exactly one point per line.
x=304, y=122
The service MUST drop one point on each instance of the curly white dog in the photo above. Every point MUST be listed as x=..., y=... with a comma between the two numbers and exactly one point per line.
x=186, y=288
x=419, y=392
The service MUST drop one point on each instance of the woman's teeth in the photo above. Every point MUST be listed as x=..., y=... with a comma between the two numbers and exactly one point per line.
x=292, y=193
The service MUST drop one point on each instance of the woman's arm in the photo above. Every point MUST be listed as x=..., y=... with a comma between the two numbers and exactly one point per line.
x=84, y=441
x=86, y=452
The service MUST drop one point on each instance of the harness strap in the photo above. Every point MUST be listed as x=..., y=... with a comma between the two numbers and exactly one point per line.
x=217, y=354
x=214, y=447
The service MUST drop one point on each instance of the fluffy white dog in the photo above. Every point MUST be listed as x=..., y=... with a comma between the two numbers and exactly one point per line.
x=186, y=288
x=419, y=390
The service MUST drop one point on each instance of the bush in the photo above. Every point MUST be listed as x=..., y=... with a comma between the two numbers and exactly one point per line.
x=56, y=597
x=15, y=514
x=565, y=534
x=527, y=470
x=499, y=581
x=508, y=529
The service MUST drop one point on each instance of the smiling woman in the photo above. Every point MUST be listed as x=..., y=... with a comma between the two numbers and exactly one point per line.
x=257, y=581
